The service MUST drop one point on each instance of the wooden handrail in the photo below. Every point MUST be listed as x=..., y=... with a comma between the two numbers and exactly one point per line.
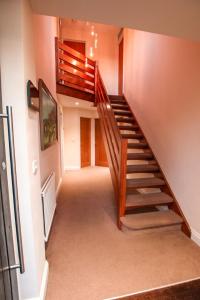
x=116, y=146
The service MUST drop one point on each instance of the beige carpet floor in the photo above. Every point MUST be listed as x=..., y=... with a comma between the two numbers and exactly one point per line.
x=91, y=259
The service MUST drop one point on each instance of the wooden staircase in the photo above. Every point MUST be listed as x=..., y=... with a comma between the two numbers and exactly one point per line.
x=145, y=200
x=143, y=195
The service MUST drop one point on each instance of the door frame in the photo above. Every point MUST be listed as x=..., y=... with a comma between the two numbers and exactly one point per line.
x=90, y=160
x=6, y=234
x=120, y=61
x=105, y=163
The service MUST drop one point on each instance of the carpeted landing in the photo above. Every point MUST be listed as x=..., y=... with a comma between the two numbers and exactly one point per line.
x=91, y=259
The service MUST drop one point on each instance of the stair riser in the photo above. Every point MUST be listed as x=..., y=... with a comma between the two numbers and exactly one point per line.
x=133, y=207
x=120, y=107
x=117, y=98
x=139, y=157
x=127, y=120
x=129, y=171
x=152, y=229
x=133, y=188
x=137, y=146
x=129, y=128
x=133, y=136
x=118, y=102
x=122, y=113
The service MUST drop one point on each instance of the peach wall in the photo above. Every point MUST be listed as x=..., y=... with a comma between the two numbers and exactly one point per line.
x=161, y=83
x=106, y=53
x=45, y=31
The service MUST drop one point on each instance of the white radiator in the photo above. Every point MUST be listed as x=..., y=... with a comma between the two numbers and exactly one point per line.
x=48, y=195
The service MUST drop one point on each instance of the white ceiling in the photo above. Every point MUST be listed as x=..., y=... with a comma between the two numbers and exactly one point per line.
x=86, y=26
x=67, y=101
x=172, y=17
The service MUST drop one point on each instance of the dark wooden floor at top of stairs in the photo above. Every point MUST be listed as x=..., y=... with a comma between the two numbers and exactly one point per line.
x=183, y=291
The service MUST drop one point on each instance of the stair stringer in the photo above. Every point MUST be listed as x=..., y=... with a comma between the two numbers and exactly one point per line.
x=167, y=189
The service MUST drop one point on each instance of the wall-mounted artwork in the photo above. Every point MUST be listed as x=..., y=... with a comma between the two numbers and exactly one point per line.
x=32, y=96
x=48, y=117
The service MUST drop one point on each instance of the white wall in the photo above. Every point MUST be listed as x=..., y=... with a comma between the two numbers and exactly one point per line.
x=17, y=54
x=106, y=53
x=161, y=83
x=45, y=31
x=71, y=123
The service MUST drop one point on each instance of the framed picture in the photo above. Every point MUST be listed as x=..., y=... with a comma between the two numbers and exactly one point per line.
x=32, y=96
x=48, y=117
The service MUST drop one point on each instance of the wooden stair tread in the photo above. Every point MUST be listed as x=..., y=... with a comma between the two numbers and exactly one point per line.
x=140, y=145
x=126, y=127
x=125, y=120
x=139, y=156
x=132, y=136
x=144, y=183
x=151, y=220
x=122, y=113
x=142, y=168
x=152, y=199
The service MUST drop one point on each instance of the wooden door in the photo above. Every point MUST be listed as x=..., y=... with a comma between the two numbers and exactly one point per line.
x=120, y=66
x=85, y=128
x=100, y=152
x=78, y=46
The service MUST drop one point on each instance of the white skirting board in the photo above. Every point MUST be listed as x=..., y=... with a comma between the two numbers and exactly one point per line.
x=195, y=236
x=43, y=288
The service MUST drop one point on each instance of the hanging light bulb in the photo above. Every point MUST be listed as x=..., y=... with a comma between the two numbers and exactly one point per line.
x=92, y=30
x=91, y=52
x=95, y=43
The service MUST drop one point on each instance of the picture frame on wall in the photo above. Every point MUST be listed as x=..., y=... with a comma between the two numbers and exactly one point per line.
x=48, y=116
x=32, y=96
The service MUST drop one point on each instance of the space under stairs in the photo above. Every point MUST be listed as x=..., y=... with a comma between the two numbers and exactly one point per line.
x=143, y=196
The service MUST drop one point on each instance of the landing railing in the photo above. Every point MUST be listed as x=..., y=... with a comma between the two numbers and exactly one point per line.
x=116, y=146
x=74, y=70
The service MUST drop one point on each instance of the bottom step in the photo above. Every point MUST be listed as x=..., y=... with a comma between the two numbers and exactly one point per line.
x=151, y=220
